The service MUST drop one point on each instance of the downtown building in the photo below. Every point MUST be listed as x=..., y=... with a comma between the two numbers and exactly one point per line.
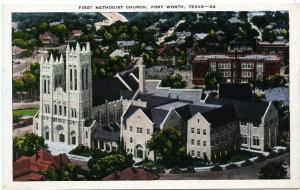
x=235, y=67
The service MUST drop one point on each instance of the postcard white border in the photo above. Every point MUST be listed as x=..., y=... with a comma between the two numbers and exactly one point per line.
x=294, y=12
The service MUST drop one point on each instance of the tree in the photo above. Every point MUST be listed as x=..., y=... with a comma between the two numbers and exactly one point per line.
x=211, y=80
x=273, y=170
x=27, y=145
x=168, y=144
x=51, y=174
x=70, y=173
x=103, y=164
x=18, y=86
x=174, y=81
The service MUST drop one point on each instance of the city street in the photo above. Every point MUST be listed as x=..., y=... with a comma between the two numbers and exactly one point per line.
x=250, y=172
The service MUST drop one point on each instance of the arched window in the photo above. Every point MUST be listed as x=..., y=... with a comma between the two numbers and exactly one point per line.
x=72, y=112
x=82, y=80
x=86, y=78
x=47, y=135
x=75, y=79
x=71, y=83
x=48, y=86
x=55, y=109
x=45, y=86
x=65, y=110
x=46, y=108
x=74, y=139
x=60, y=110
x=86, y=135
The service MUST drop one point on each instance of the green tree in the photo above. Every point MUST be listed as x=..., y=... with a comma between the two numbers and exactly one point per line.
x=273, y=170
x=104, y=164
x=51, y=174
x=174, y=81
x=27, y=145
x=211, y=80
x=169, y=145
x=70, y=173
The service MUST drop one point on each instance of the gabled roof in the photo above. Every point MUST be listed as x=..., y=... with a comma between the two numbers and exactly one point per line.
x=40, y=161
x=252, y=111
x=131, y=173
x=101, y=133
x=278, y=94
x=236, y=91
x=154, y=101
x=118, y=53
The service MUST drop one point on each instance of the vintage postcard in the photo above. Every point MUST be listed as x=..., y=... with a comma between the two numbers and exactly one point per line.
x=186, y=96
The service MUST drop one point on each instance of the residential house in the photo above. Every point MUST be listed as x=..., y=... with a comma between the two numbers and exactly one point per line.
x=131, y=173
x=18, y=53
x=31, y=168
x=48, y=39
x=167, y=54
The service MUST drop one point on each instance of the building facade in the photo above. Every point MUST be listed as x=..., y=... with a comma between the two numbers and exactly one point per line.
x=65, y=113
x=236, y=68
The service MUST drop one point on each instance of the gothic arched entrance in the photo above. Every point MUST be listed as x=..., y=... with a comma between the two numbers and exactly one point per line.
x=139, y=151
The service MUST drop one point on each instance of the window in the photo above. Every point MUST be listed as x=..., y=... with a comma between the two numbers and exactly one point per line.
x=59, y=109
x=37, y=126
x=86, y=135
x=130, y=128
x=255, y=141
x=55, y=109
x=204, y=143
x=71, y=82
x=125, y=127
x=75, y=79
x=204, y=132
x=65, y=110
x=192, y=141
x=244, y=139
x=198, y=142
x=47, y=135
x=198, y=154
x=82, y=80
x=198, y=120
x=75, y=113
x=193, y=152
x=148, y=131
x=192, y=130
x=86, y=78
x=131, y=140
x=45, y=86
x=198, y=131
x=255, y=124
x=48, y=86
x=74, y=140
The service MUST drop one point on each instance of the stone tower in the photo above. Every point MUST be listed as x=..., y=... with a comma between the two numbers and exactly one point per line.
x=65, y=114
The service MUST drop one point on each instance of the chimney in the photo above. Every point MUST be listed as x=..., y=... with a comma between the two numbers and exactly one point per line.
x=142, y=78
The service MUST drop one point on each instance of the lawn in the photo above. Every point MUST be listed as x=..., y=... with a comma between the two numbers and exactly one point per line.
x=240, y=155
x=21, y=112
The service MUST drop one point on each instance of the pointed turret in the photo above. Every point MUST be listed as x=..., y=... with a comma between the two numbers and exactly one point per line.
x=77, y=47
x=68, y=48
x=88, y=47
x=51, y=58
x=61, y=58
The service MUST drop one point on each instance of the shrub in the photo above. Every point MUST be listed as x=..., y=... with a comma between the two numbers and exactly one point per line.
x=231, y=166
x=272, y=154
x=260, y=158
x=247, y=163
x=216, y=168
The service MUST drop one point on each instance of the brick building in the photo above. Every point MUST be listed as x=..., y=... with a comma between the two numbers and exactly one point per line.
x=236, y=68
x=280, y=48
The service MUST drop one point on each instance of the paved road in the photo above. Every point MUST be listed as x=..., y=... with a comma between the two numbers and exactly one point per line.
x=18, y=132
x=23, y=105
x=169, y=32
x=250, y=172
